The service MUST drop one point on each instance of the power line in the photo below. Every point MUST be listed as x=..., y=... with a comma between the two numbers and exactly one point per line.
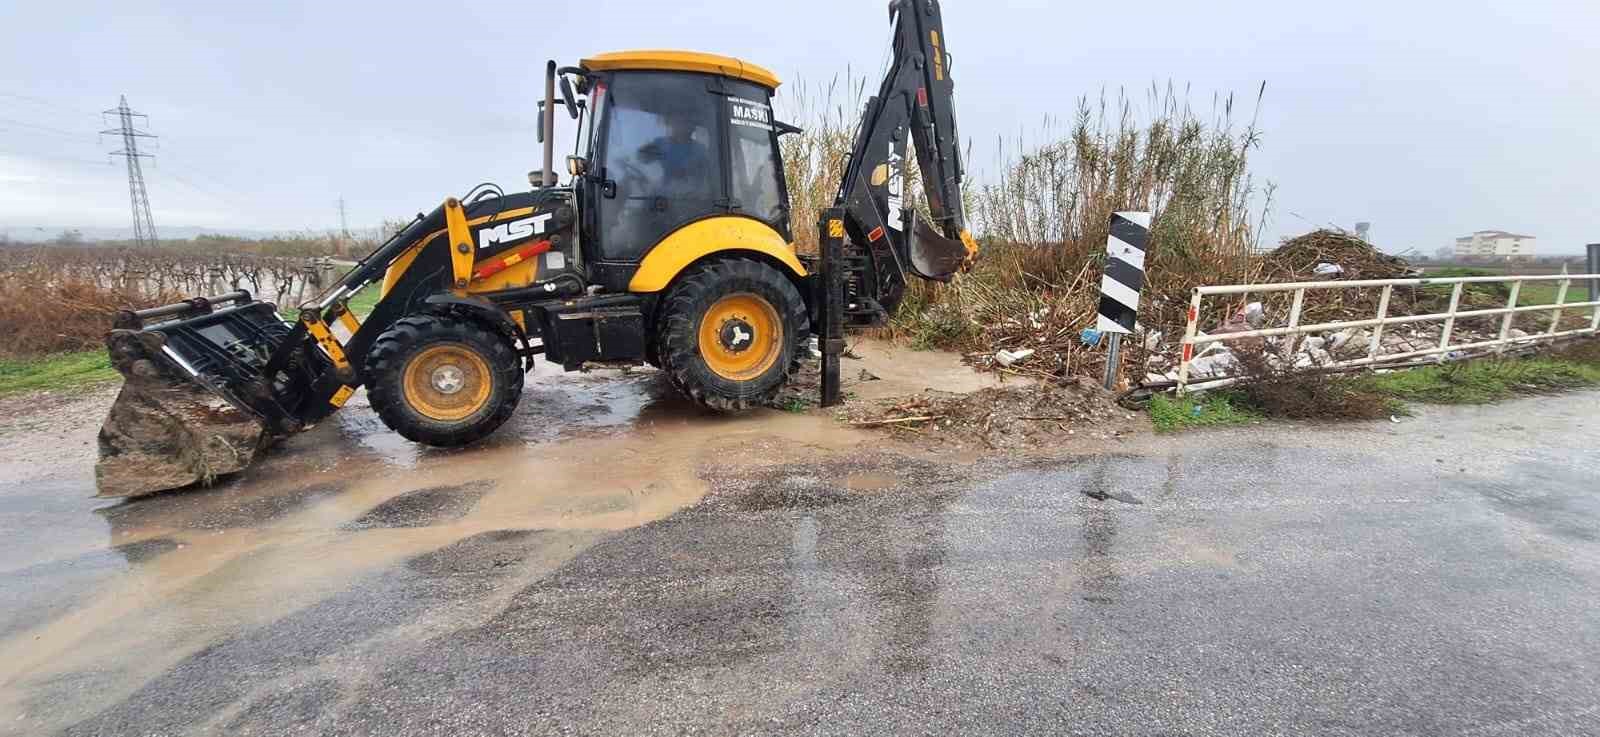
x=49, y=104
x=32, y=155
x=217, y=196
x=144, y=226
x=38, y=128
x=216, y=184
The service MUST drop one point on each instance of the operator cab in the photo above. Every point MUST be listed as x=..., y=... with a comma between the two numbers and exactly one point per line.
x=666, y=139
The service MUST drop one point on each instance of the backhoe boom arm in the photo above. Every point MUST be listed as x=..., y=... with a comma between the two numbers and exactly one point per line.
x=915, y=100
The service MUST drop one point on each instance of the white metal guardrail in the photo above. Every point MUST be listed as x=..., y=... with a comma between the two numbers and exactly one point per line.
x=1193, y=338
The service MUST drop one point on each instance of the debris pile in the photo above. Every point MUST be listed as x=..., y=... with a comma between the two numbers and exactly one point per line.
x=1002, y=417
x=1299, y=259
x=1321, y=255
x=1326, y=255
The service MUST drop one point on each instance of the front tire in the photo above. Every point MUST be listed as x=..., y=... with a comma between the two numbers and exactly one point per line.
x=443, y=381
x=730, y=332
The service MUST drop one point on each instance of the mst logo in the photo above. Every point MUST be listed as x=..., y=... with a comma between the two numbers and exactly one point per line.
x=513, y=230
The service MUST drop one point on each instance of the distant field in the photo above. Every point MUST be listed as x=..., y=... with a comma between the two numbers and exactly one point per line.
x=1514, y=268
x=1532, y=293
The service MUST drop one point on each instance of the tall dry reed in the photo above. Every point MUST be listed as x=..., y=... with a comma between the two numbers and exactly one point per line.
x=1044, y=220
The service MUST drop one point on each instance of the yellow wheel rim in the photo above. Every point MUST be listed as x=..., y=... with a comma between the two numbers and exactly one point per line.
x=447, y=382
x=740, y=336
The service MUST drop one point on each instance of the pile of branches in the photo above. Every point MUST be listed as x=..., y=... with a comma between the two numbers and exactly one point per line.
x=1297, y=259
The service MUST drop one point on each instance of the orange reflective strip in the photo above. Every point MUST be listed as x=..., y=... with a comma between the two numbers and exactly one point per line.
x=501, y=264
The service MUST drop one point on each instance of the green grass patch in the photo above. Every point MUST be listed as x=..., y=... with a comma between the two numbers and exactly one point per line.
x=1216, y=409
x=1532, y=292
x=59, y=371
x=365, y=300
x=361, y=304
x=1477, y=382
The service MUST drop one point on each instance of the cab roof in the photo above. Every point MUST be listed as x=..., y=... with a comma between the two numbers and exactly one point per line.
x=682, y=61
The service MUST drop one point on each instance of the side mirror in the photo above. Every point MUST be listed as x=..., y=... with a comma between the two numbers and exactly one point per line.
x=577, y=166
x=540, y=117
x=566, y=97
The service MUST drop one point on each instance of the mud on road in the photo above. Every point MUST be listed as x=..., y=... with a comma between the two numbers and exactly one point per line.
x=615, y=562
x=107, y=594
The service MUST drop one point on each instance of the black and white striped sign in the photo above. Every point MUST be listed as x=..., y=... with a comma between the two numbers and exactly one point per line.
x=1124, y=272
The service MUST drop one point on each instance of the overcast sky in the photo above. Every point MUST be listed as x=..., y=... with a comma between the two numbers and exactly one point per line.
x=1429, y=119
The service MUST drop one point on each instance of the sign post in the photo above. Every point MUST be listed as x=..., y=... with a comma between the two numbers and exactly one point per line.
x=1120, y=282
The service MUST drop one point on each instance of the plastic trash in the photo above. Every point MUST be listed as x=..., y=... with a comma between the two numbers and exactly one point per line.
x=1006, y=358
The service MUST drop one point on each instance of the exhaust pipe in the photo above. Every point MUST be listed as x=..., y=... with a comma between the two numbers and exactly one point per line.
x=549, y=125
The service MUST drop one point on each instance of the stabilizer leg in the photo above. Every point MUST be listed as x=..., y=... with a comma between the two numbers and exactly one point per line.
x=830, y=325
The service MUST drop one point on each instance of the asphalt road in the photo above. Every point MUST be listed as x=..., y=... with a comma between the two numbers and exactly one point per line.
x=1433, y=577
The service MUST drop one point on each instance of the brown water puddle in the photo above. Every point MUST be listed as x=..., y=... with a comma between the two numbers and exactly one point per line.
x=585, y=454
x=589, y=455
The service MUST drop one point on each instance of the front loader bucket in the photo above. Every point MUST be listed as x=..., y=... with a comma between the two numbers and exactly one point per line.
x=194, y=404
x=166, y=432
x=933, y=256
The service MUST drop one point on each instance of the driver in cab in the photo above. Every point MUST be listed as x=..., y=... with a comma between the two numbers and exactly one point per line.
x=684, y=161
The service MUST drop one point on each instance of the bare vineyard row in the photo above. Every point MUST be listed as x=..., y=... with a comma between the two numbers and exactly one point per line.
x=155, y=275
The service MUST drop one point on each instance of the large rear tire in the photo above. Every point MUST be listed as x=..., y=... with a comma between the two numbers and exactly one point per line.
x=730, y=333
x=443, y=381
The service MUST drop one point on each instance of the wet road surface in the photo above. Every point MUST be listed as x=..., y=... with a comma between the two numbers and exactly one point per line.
x=780, y=574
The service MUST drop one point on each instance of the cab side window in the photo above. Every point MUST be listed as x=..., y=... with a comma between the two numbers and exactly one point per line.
x=755, y=170
x=661, y=150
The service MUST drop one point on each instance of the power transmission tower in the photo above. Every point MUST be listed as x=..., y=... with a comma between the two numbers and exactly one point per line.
x=144, y=226
x=344, y=224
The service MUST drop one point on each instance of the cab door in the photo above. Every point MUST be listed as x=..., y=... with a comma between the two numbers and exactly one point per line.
x=660, y=160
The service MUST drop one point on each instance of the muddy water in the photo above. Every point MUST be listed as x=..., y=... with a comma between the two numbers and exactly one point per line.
x=107, y=595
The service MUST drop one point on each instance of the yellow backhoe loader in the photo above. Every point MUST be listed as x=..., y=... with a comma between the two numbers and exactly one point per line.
x=669, y=244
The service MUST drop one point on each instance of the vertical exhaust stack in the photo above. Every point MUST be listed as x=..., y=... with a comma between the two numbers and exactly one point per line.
x=549, y=124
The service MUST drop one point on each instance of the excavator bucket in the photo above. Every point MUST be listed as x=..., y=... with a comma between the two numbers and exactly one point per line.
x=194, y=404
x=933, y=256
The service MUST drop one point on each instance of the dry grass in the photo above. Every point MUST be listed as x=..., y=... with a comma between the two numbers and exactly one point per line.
x=62, y=297
x=814, y=159
x=43, y=317
x=1276, y=389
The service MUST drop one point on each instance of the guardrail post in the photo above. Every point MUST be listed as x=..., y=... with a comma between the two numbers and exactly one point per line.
x=1449, y=322
x=1189, y=332
x=1377, y=330
x=1555, y=314
x=1294, y=321
x=1594, y=284
x=1505, y=322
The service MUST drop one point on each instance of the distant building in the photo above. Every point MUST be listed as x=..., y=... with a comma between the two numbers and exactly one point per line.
x=1497, y=244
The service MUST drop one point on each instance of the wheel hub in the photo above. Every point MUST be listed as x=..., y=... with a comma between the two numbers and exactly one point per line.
x=447, y=382
x=447, y=379
x=740, y=336
x=736, y=335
